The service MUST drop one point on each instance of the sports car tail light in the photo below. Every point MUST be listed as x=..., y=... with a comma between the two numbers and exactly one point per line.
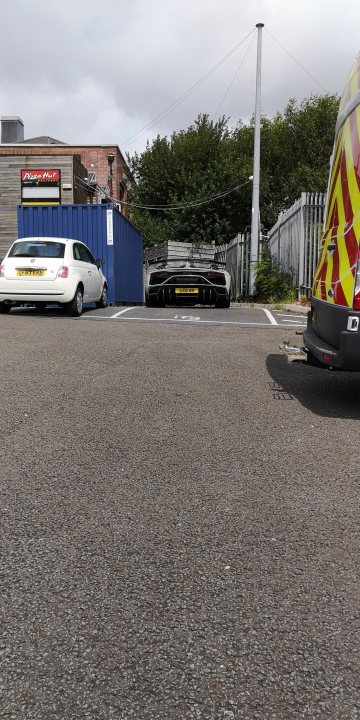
x=218, y=277
x=2, y=271
x=63, y=272
x=158, y=277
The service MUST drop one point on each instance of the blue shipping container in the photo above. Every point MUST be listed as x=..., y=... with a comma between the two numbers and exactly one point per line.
x=107, y=233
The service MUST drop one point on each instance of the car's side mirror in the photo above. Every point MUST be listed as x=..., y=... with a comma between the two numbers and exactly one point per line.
x=99, y=262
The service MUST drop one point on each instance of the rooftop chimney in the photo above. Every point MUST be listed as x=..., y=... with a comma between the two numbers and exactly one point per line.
x=12, y=130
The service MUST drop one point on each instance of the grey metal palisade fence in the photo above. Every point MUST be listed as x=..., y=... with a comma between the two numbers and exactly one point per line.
x=294, y=240
x=236, y=256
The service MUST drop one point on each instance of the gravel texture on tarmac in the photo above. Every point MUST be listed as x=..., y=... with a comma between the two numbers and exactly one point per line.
x=180, y=526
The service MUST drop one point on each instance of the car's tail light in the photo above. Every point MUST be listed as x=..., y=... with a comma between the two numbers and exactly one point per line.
x=356, y=303
x=63, y=272
x=158, y=277
x=2, y=271
x=217, y=277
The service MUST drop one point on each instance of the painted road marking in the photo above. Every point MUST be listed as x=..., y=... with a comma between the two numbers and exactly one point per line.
x=293, y=321
x=270, y=316
x=121, y=312
x=171, y=320
x=122, y=315
x=186, y=317
x=303, y=317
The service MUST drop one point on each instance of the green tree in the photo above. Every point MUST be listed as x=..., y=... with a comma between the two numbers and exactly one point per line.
x=209, y=158
x=185, y=169
x=296, y=153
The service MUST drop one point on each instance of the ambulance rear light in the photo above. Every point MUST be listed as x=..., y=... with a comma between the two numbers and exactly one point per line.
x=356, y=302
x=2, y=271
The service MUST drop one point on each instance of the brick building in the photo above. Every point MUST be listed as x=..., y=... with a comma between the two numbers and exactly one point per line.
x=108, y=174
x=89, y=173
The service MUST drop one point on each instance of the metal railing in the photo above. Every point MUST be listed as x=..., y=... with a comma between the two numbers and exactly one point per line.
x=236, y=256
x=295, y=239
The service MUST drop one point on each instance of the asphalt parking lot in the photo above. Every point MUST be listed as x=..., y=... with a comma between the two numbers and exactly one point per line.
x=236, y=315
x=179, y=519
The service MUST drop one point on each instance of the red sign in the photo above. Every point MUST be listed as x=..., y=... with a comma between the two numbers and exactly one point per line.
x=35, y=177
x=40, y=187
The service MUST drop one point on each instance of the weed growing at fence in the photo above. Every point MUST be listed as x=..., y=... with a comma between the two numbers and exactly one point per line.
x=272, y=283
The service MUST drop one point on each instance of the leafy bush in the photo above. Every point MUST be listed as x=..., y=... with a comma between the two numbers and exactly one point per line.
x=272, y=283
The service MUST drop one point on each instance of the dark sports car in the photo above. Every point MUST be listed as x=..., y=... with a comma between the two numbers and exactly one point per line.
x=193, y=282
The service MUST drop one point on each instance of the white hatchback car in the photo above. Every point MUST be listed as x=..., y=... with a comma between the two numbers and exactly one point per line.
x=43, y=270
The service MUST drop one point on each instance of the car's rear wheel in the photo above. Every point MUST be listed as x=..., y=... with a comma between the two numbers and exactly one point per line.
x=103, y=302
x=155, y=300
x=222, y=303
x=150, y=302
x=4, y=308
x=154, y=303
x=75, y=306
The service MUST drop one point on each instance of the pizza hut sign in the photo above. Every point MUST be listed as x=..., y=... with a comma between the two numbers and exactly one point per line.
x=40, y=176
x=40, y=187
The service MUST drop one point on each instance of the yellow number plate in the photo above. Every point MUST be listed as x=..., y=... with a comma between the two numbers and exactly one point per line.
x=30, y=273
x=186, y=291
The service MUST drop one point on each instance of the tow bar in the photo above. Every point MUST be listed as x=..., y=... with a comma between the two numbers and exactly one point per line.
x=293, y=353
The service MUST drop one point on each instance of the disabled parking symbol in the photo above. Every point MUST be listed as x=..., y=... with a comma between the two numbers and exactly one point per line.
x=186, y=317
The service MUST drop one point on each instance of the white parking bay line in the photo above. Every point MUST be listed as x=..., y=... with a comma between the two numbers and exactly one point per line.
x=270, y=316
x=121, y=312
x=293, y=322
x=293, y=326
x=178, y=322
x=303, y=317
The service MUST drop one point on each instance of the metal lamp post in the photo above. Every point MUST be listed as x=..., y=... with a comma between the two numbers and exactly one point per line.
x=254, y=248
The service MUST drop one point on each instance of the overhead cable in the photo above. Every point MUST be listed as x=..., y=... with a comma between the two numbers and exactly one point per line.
x=297, y=61
x=235, y=76
x=188, y=205
x=162, y=208
x=181, y=98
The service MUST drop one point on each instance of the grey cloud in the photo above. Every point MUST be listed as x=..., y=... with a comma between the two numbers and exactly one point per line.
x=102, y=71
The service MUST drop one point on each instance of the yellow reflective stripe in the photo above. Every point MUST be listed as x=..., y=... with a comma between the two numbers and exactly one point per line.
x=328, y=275
x=338, y=149
x=333, y=187
x=345, y=270
x=322, y=260
x=351, y=84
x=345, y=275
x=354, y=85
x=340, y=202
x=350, y=171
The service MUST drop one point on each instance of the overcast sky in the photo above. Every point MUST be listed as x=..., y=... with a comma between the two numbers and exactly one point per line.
x=101, y=71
